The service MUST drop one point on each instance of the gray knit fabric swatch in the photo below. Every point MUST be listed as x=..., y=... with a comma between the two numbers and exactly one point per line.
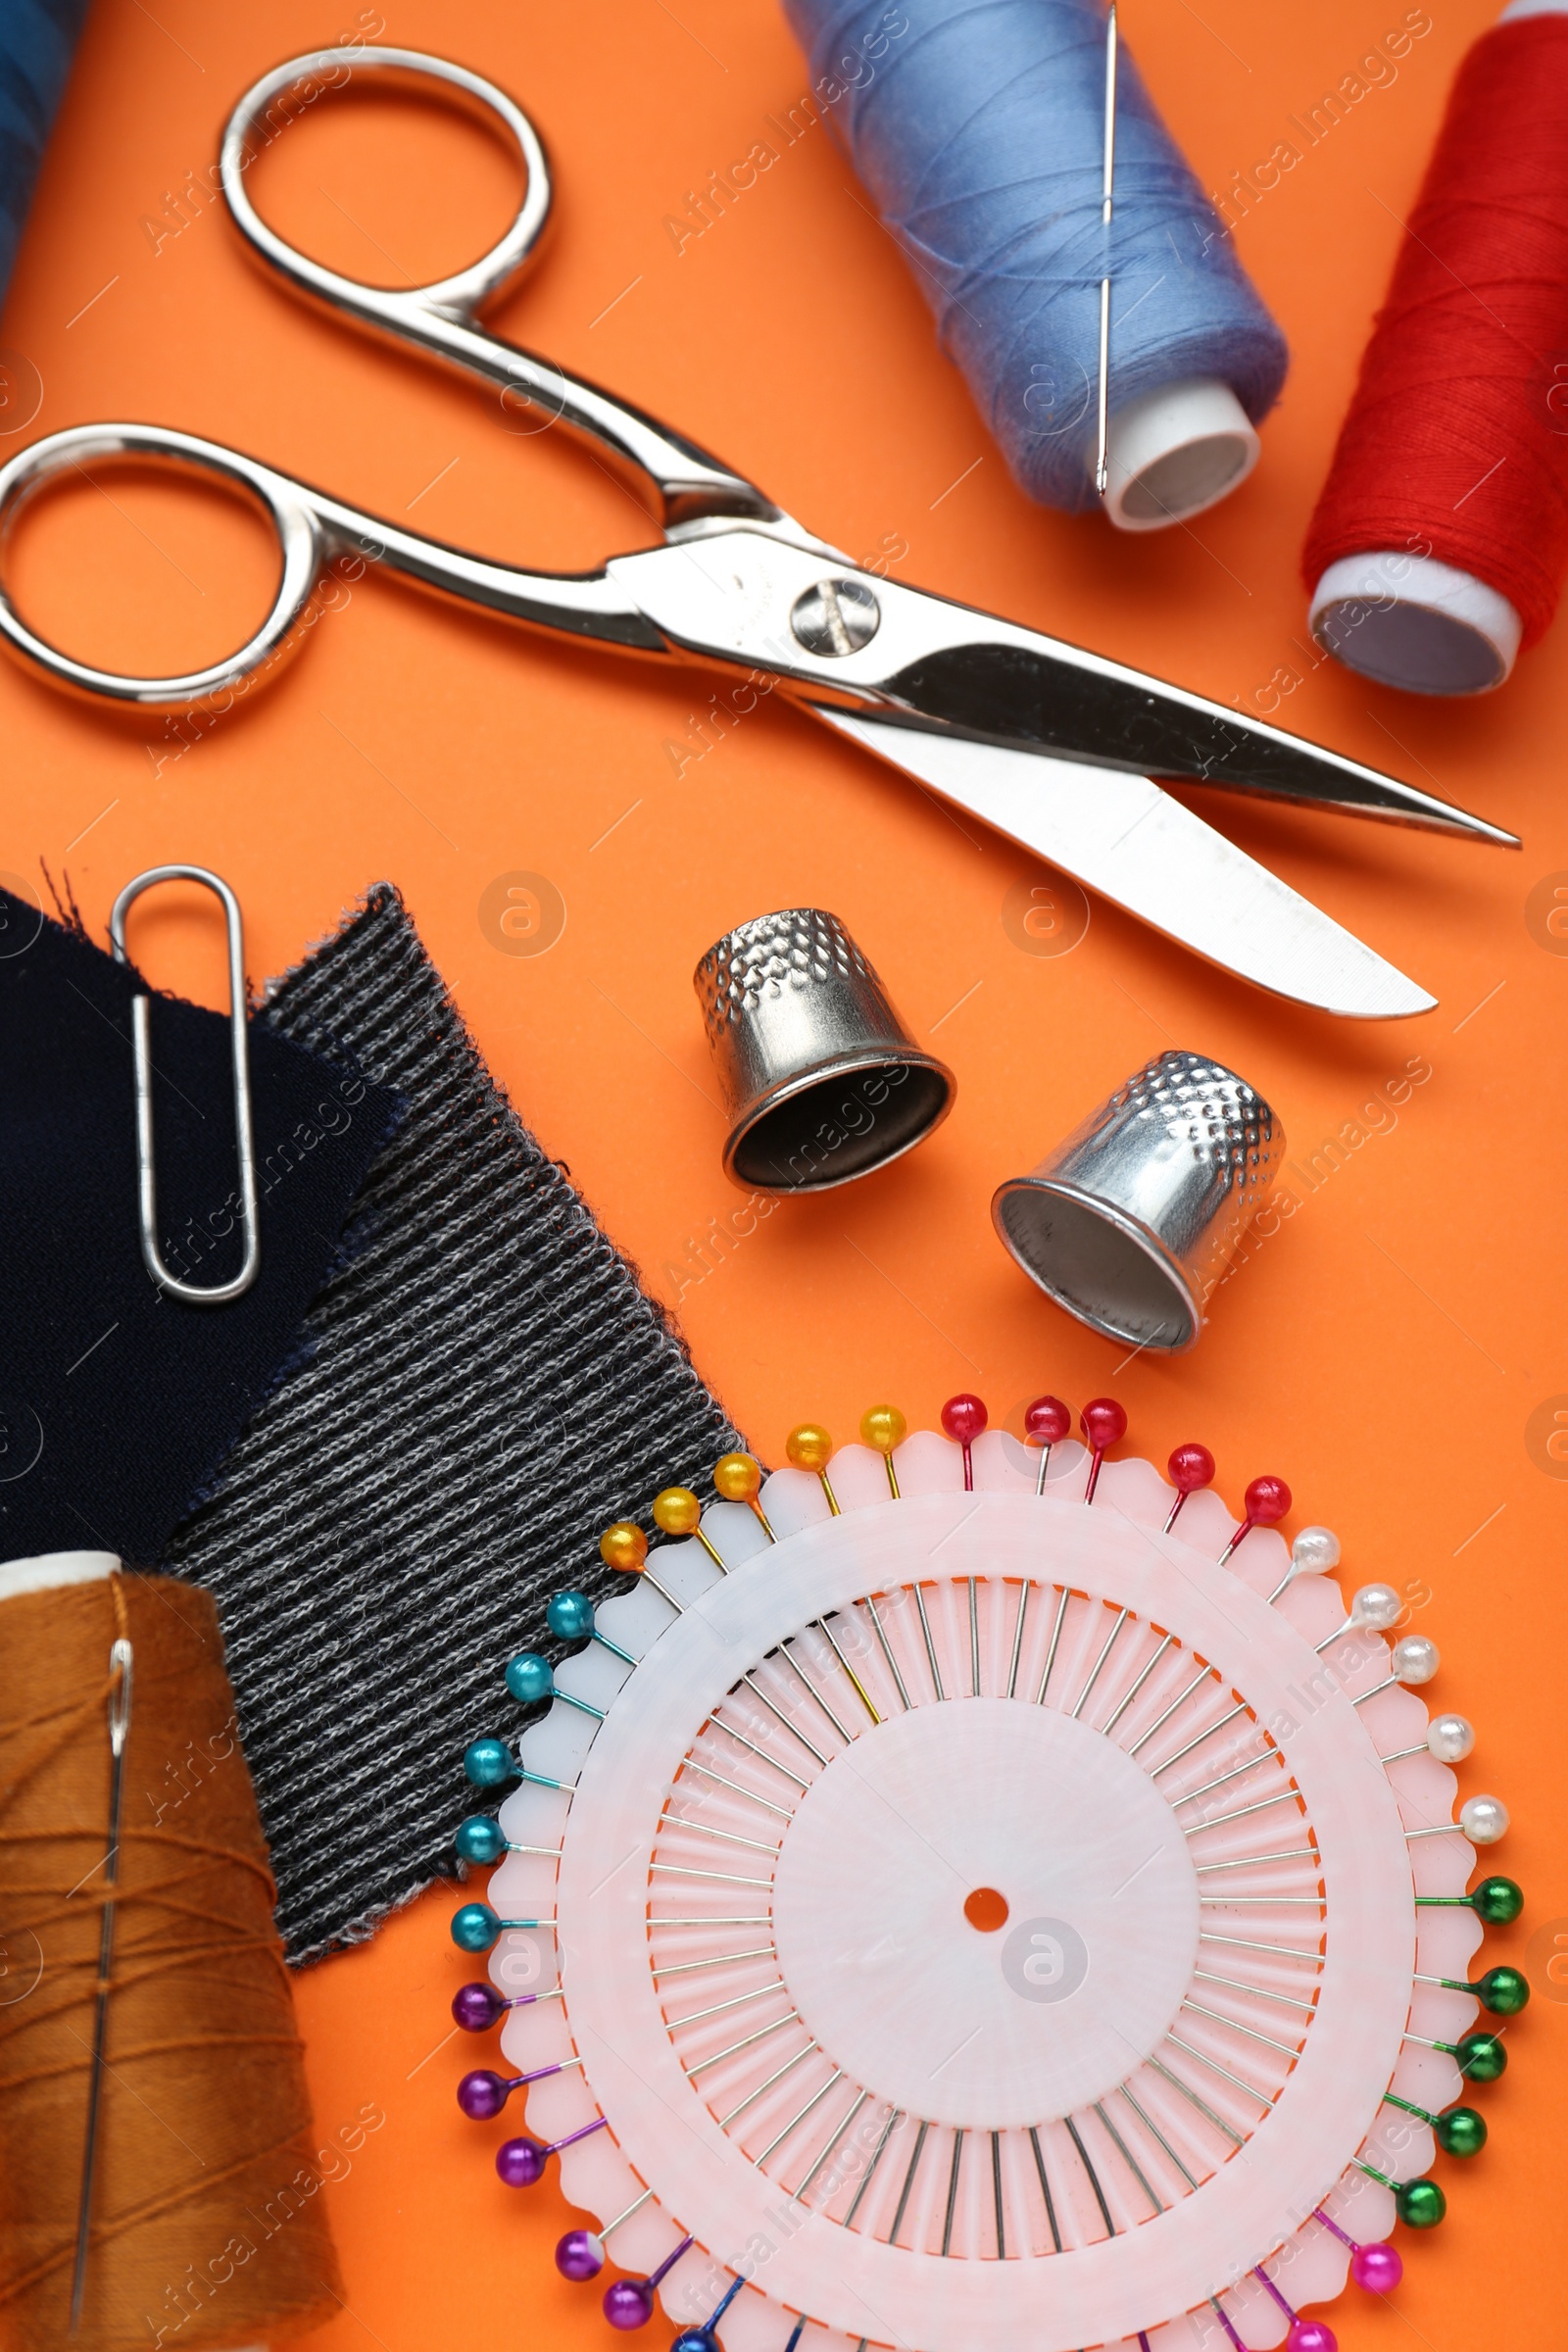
x=486, y=1386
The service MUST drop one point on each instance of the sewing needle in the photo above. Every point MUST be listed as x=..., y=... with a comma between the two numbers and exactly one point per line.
x=1101, y=476
x=120, y=1667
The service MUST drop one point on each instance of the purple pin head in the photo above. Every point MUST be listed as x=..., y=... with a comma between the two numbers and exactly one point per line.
x=481, y=2096
x=1379, y=2269
x=580, y=2255
x=520, y=2162
x=628, y=2303
x=476, y=2007
x=1311, y=2335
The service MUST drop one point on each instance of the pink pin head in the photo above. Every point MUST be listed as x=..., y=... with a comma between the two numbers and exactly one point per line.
x=1311, y=2335
x=1266, y=1500
x=963, y=1418
x=1046, y=1421
x=1379, y=2269
x=1105, y=1423
x=1191, y=1467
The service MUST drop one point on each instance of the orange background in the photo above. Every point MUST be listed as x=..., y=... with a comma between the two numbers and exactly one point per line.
x=1385, y=1350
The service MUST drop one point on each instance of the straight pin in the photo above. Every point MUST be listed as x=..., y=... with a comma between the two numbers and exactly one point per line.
x=783, y=1812
x=1045, y=2186
x=1101, y=469
x=930, y=1646
x=816, y=2101
x=877, y=2154
x=810, y=1448
x=719, y=2008
x=1046, y=1423
x=1154, y=2130
x=1093, y=1675
x=1050, y=1654
x=120, y=1665
x=761, y=1754
x=1128, y=2158
x=893, y=1663
x=882, y=1429
x=908, y=2183
x=778, y=2075
x=832, y=2142
x=738, y=1478
x=1120, y=1710
x=779, y=1716
x=1199, y=1677
x=1198, y=1740
x=952, y=2191
x=1213, y=2064
x=1218, y=1821
x=1191, y=2095
x=1094, y=2177
x=1191, y=1467
x=996, y=2194
x=1024, y=1591
x=861, y=1691
x=687, y=1968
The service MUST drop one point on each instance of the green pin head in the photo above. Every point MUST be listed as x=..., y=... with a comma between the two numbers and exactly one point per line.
x=1420, y=2204
x=1482, y=2057
x=1462, y=2131
x=1502, y=1990
x=1498, y=1902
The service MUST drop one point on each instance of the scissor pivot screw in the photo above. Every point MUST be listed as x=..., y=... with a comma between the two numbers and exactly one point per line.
x=836, y=617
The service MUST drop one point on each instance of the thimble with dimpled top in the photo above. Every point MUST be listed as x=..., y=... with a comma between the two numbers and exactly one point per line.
x=821, y=1082
x=1131, y=1222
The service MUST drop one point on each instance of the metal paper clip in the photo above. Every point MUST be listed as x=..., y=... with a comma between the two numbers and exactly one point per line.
x=191, y=1293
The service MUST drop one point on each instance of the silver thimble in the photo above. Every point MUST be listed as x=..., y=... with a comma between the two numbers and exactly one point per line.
x=821, y=1082
x=1131, y=1222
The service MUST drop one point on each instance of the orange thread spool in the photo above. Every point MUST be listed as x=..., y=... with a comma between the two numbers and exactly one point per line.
x=207, y=2219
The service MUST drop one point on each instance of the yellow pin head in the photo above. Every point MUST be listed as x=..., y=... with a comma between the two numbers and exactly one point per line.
x=810, y=1448
x=677, y=1512
x=624, y=1547
x=737, y=1478
x=884, y=1427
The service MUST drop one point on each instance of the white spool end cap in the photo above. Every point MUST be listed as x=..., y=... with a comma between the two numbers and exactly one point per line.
x=1411, y=622
x=50, y=1569
x=1172, y=452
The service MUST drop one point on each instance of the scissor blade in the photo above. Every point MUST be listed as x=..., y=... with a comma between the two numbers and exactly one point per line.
x=931, y=664
x=1124, y=836
x=1059, y=699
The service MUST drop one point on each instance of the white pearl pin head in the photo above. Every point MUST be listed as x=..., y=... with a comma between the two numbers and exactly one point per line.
x=1415, y=1660
x=1484, y=1819
x=1451, y=1738
x=1316, y=1552
x=1376, y=1608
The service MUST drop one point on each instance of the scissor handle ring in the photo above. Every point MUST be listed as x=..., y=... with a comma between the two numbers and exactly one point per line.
x=465, y=291
x=301, y=542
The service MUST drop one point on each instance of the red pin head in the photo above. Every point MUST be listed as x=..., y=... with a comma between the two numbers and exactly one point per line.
x=1192, y=1467
x=1046, y=1421
x=1105, y=1423
x=963, y=1418
x=1267, y=1500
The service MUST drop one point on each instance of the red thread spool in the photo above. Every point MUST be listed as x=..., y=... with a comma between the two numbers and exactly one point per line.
x=1440, y=543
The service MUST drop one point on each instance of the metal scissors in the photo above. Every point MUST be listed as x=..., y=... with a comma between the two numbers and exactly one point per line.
x=1052, y=746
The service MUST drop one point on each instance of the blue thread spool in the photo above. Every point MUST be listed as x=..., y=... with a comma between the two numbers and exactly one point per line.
x=979, y=131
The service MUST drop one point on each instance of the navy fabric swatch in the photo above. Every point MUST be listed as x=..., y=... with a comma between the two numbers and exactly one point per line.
x=118, y=1403
x=37, y=39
